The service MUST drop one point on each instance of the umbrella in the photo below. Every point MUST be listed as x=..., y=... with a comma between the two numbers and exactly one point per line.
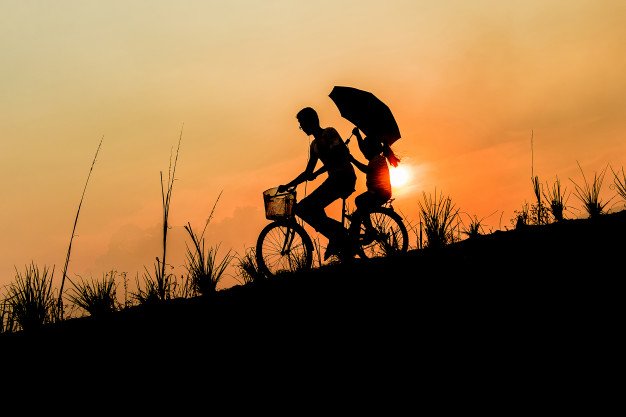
x=366, y=112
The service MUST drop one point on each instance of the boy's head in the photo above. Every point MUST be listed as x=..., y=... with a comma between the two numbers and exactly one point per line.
x=308, y=119
x=370, y=147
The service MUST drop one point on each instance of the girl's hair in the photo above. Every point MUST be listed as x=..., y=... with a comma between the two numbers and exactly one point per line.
x=371, y=147
x=390, y=155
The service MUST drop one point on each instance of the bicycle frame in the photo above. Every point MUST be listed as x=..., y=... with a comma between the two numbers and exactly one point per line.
x=285, y=244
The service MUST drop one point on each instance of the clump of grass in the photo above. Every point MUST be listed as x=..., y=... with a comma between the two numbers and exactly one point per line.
x=248, y=268
x=96, y=297
x=538, y=211
x=589, y=193
x=31, y=299
x=474, y=228
x=205, y=270
x=440, y=217
x=7, y=323
x=530, y=214
x=157, y=287
x=317, y=247
x=389, y=245
x=521, y=218
x=539, y=214
x=620, y=183
x=557, y=198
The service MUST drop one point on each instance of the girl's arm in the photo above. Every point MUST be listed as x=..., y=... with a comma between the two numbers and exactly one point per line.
x=361, y=166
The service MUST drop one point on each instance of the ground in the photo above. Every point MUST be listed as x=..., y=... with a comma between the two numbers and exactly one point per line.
x=543, y=300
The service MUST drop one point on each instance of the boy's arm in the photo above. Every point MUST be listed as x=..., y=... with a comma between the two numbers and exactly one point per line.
x=318, y=172
x=305, y=175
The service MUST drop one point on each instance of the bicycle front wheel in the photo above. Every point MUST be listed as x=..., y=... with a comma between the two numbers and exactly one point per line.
x=283, y=246
x=381, y=233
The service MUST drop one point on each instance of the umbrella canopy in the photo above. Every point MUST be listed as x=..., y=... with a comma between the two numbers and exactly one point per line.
x=366, y=112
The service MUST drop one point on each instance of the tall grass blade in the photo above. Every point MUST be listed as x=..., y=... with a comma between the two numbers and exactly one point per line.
x=69, y=249
x=166, y=198
x=620, y=183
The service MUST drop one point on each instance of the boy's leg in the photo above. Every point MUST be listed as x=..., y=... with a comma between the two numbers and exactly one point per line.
x=311, y=209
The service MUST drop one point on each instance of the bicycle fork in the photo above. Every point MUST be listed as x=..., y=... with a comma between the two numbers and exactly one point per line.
x=289, y=236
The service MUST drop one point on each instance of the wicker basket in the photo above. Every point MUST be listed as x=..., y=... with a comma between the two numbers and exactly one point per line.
x=278, y=205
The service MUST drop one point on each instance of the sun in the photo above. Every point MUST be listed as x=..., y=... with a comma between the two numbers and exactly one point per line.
x=399, y=176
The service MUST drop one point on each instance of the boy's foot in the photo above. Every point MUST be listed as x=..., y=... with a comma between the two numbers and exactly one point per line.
x=331, y=249
x=368, y=237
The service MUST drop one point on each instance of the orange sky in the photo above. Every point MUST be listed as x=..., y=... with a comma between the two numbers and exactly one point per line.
x=467, y=81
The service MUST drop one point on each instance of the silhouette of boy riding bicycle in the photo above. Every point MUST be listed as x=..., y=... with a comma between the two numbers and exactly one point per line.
x=329, y=148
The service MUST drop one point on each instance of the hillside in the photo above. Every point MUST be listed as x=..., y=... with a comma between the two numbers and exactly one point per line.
x=551, y=292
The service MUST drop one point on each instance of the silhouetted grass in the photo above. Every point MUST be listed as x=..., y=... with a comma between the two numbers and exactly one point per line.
x=247, y=267
x=166, y=197
x=317, y=250
x=589, y=193
x=521, y=217
x=162, y=285
x=7, y=323
x=69, y=249
x=205, y=270
x=557, y=198
x=620, y=183
x=96, y=297
x=440, y=218
x=540, y=212
x=390, y=244
x=157, y=287
x=31, y=299
x=474, y=228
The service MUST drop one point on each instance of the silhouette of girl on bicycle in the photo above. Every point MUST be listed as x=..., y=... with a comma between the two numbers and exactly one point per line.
x=377, y=178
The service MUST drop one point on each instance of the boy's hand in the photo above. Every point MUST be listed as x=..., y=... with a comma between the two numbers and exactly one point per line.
x=356, y=132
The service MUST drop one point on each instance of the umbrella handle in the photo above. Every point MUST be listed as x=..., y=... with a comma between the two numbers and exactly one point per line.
x=348, y=140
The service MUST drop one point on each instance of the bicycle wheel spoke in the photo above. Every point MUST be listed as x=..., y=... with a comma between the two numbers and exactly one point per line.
x=382, y=233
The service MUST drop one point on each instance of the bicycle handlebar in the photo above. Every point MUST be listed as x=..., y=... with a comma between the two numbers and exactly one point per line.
x=287, y=190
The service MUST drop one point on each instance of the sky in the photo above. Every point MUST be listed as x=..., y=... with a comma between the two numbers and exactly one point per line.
x=486, y=93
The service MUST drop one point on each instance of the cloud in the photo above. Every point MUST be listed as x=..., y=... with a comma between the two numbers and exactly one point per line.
x=132, y=249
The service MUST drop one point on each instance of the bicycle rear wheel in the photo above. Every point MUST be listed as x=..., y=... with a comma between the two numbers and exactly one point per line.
x=283, y=246
x=381, y=233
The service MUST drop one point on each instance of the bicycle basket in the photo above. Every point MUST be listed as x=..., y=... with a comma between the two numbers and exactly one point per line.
x=278, y=205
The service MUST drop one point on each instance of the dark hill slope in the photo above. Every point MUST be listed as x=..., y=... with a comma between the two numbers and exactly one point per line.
x=543, y=293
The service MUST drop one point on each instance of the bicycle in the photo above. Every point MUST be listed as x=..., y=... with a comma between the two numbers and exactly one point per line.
x=285, y=246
